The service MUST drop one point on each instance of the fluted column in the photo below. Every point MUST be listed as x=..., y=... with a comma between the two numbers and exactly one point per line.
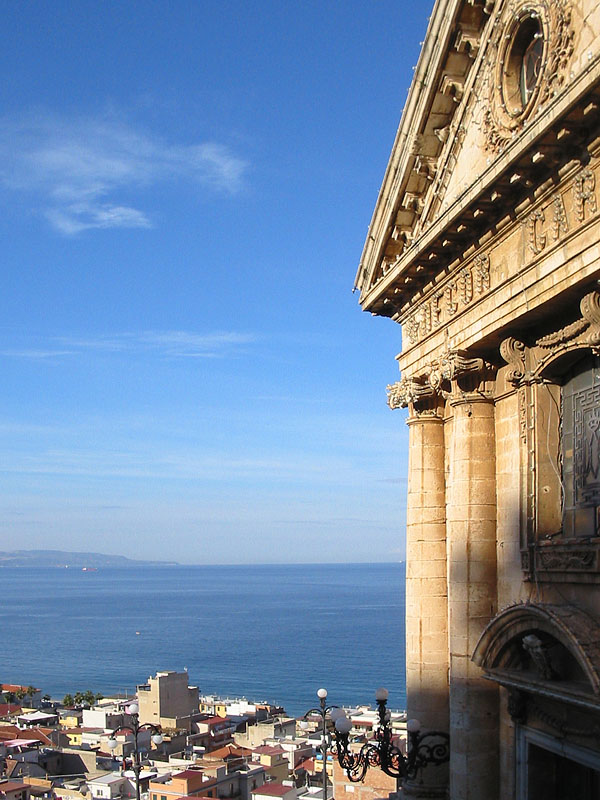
x=426, y=576
x=472, y=592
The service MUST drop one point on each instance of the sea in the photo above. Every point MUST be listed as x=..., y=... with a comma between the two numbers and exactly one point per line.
x=270, y=632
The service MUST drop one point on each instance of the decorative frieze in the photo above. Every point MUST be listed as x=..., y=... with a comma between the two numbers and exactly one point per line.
x=563, y=335
x=549, y=222
x=563, y=557
x=460, y=290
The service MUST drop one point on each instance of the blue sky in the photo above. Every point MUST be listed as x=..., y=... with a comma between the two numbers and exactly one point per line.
x=185, y=190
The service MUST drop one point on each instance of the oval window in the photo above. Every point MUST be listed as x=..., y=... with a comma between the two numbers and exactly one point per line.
x=523, y=66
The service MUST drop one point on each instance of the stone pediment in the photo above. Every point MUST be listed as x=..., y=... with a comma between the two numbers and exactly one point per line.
x=472, y=140
x=426, y=132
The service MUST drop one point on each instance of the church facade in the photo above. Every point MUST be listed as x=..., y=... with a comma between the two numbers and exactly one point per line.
x=485, y=247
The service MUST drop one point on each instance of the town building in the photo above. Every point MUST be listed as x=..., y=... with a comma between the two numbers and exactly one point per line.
x=101, y=715
x=274, y=759
x=13, y=790
x=168, y=700
x=484, y=247
x=26, y=695
x=275, y=791
x=194, y=782
x=271, y=728
x=375, y=786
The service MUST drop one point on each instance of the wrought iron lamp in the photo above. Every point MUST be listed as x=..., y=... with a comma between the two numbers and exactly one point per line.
x=423, y=749
x=327, y=718
x=134, y=726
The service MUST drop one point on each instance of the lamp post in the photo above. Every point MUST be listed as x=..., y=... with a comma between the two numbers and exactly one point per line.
x=134, y=726
x=423, y=749
x=327, y=714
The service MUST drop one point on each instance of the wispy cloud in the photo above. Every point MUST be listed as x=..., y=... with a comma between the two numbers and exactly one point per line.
x=168, y=344
x=37, y=354
x=83, y=171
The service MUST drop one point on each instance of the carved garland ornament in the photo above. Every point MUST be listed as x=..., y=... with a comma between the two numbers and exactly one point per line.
x=521, y=24
x=583, y=331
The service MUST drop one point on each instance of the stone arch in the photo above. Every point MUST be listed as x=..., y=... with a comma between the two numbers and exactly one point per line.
x=575, y=630
x=559, y=362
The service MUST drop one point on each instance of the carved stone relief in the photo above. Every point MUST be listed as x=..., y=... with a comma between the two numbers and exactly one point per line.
x=580, y=333
x=560, y=224
x=502, y=117
x=584, y=187
x=513, y=352
x=550, y=221
x=536, y=236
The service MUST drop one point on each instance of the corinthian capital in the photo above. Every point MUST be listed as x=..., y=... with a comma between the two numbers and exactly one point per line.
x=455, y=363
x=408, y=392
x=465, y=373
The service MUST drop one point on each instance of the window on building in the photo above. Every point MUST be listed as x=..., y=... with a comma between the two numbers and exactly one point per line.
x=523, y=64
x=531, y=66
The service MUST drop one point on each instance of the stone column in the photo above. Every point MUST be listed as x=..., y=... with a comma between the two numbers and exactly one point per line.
x=426, y=584
x=471, y=529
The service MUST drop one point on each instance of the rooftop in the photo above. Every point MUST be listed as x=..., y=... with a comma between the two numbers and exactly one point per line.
x=273, y=790
x=268, y=749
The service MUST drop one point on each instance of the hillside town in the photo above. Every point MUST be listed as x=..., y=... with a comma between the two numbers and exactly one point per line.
x=169, y=742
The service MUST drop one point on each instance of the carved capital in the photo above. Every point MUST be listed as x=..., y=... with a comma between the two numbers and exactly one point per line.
x=513, y=352
x=467, y=374
x=407, y=392
x=456, y=363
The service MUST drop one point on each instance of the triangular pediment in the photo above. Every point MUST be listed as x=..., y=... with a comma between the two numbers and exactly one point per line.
x=469, y=110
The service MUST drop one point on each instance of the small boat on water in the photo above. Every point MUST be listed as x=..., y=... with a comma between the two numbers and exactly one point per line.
x=89, y=569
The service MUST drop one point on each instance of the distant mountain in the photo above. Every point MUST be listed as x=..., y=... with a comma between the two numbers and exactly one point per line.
x=62, y=558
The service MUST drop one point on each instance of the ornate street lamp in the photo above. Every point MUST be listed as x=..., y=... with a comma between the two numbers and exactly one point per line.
x=423, y=749
x=327, y=714
x=134, y=726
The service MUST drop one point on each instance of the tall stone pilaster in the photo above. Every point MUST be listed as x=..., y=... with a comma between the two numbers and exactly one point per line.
x=471, y=530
